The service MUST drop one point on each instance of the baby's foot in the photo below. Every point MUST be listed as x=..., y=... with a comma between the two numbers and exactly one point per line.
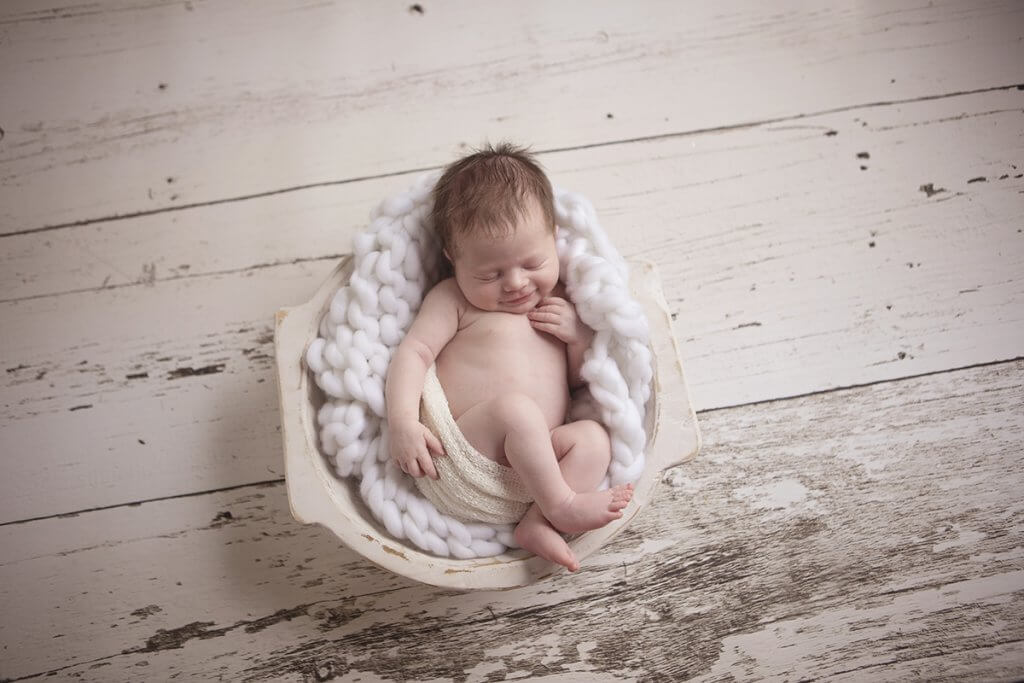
x=585, y=511
x=535, y=534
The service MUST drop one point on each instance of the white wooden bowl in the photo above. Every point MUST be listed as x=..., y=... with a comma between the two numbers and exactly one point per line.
x=316, y=495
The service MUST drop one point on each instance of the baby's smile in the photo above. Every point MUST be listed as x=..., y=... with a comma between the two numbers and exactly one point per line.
x=511, y=273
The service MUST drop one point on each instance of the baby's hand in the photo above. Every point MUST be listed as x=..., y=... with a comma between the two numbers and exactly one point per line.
x=557, y=317
x=411, y=445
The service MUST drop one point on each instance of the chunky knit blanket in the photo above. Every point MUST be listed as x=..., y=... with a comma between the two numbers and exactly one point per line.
x=397, y=260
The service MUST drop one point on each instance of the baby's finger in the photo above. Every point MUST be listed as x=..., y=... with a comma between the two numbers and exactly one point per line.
x=434, y=444
x=550, y=303
x=544, y=316
x=550, y=328
x=428, y=466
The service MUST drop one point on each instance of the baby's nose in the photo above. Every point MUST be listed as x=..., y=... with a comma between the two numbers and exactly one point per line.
x=514, y=280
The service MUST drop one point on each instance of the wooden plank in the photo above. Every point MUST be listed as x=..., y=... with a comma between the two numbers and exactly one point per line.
x=257, y=233
x=870, y=532
x=110, y=367
x=789, y=175
x=201, y=102
x=133, y=397
x=762, y=238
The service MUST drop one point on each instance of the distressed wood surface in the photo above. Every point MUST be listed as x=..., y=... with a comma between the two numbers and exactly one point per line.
x=834, y=199
x=869, y=533
x=788, y=176
x=168, y=378
x=135, y=106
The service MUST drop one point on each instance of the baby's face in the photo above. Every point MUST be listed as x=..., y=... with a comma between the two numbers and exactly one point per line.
x=512, y=273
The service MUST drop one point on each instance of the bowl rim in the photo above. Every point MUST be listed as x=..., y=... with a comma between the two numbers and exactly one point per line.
x=317, y=496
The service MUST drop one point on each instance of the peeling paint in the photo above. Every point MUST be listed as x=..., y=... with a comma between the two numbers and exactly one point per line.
x=178, y=373
x=277, y=617
x=177, y=637
x=398, y=553
x=147, y=611
x=929, y=189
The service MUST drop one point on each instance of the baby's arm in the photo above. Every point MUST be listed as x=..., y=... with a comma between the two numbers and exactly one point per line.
x=557, y=316
x=410, y=443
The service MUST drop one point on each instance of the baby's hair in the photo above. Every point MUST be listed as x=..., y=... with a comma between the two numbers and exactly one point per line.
x=487, y=192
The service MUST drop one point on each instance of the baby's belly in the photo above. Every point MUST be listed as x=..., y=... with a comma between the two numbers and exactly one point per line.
x=501, y=353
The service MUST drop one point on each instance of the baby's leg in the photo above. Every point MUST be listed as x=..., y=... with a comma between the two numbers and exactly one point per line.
x=583, y=452
x=514, y=422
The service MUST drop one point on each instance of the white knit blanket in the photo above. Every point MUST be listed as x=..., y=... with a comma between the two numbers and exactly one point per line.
x=397, y=260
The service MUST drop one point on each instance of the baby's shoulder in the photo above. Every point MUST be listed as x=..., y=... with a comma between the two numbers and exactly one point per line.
x=446, y=289
x=446, y=293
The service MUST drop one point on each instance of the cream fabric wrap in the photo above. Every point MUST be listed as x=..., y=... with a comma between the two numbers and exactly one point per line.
x=470, y=486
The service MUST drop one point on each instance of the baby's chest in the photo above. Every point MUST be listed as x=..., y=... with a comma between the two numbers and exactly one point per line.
x=493, y=357
x=508, y=335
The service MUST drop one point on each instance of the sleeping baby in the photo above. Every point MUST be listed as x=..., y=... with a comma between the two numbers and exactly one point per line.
x=478, y=390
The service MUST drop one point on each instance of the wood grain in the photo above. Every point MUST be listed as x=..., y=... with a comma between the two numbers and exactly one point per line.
x=129, y=107
x=874, y=532
x=800, y=173
x=833, y=196
x=763, y=238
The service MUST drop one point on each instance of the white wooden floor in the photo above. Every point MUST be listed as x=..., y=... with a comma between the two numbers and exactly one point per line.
x=833, y=196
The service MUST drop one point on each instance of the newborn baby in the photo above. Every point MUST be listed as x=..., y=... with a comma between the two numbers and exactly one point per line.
x=506, y=346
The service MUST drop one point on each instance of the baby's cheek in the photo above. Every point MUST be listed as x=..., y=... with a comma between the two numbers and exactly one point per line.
x=550, y=280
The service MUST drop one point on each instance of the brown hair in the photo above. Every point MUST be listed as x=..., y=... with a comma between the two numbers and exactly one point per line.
x=487, y=192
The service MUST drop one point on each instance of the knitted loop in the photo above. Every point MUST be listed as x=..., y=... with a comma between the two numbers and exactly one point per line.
x=396, y=261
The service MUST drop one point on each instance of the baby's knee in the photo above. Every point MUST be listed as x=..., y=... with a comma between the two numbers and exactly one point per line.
x=593, y=439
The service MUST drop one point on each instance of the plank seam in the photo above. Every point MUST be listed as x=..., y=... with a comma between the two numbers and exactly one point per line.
x=847, y=387
x=706, y=411
x=173, y=278
x=890, y=662
x=554, y=150
x=135, y=503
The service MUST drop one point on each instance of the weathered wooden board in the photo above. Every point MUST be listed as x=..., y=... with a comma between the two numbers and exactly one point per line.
x=803, y=173
x=763, y=238
x=875, y=532
x=833, y=197
x=140, y=105
x=134, y=397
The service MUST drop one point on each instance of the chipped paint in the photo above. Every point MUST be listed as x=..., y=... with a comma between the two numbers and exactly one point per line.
x=392, y=551
x=966, y=538
x=777, y=495
x=176, y=638
x=178, y=373
x=147, y=611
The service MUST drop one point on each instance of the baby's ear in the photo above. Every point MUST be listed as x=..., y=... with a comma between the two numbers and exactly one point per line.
x=447, y=255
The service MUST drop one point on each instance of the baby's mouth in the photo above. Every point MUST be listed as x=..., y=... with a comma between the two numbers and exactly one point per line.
x=518, y=300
